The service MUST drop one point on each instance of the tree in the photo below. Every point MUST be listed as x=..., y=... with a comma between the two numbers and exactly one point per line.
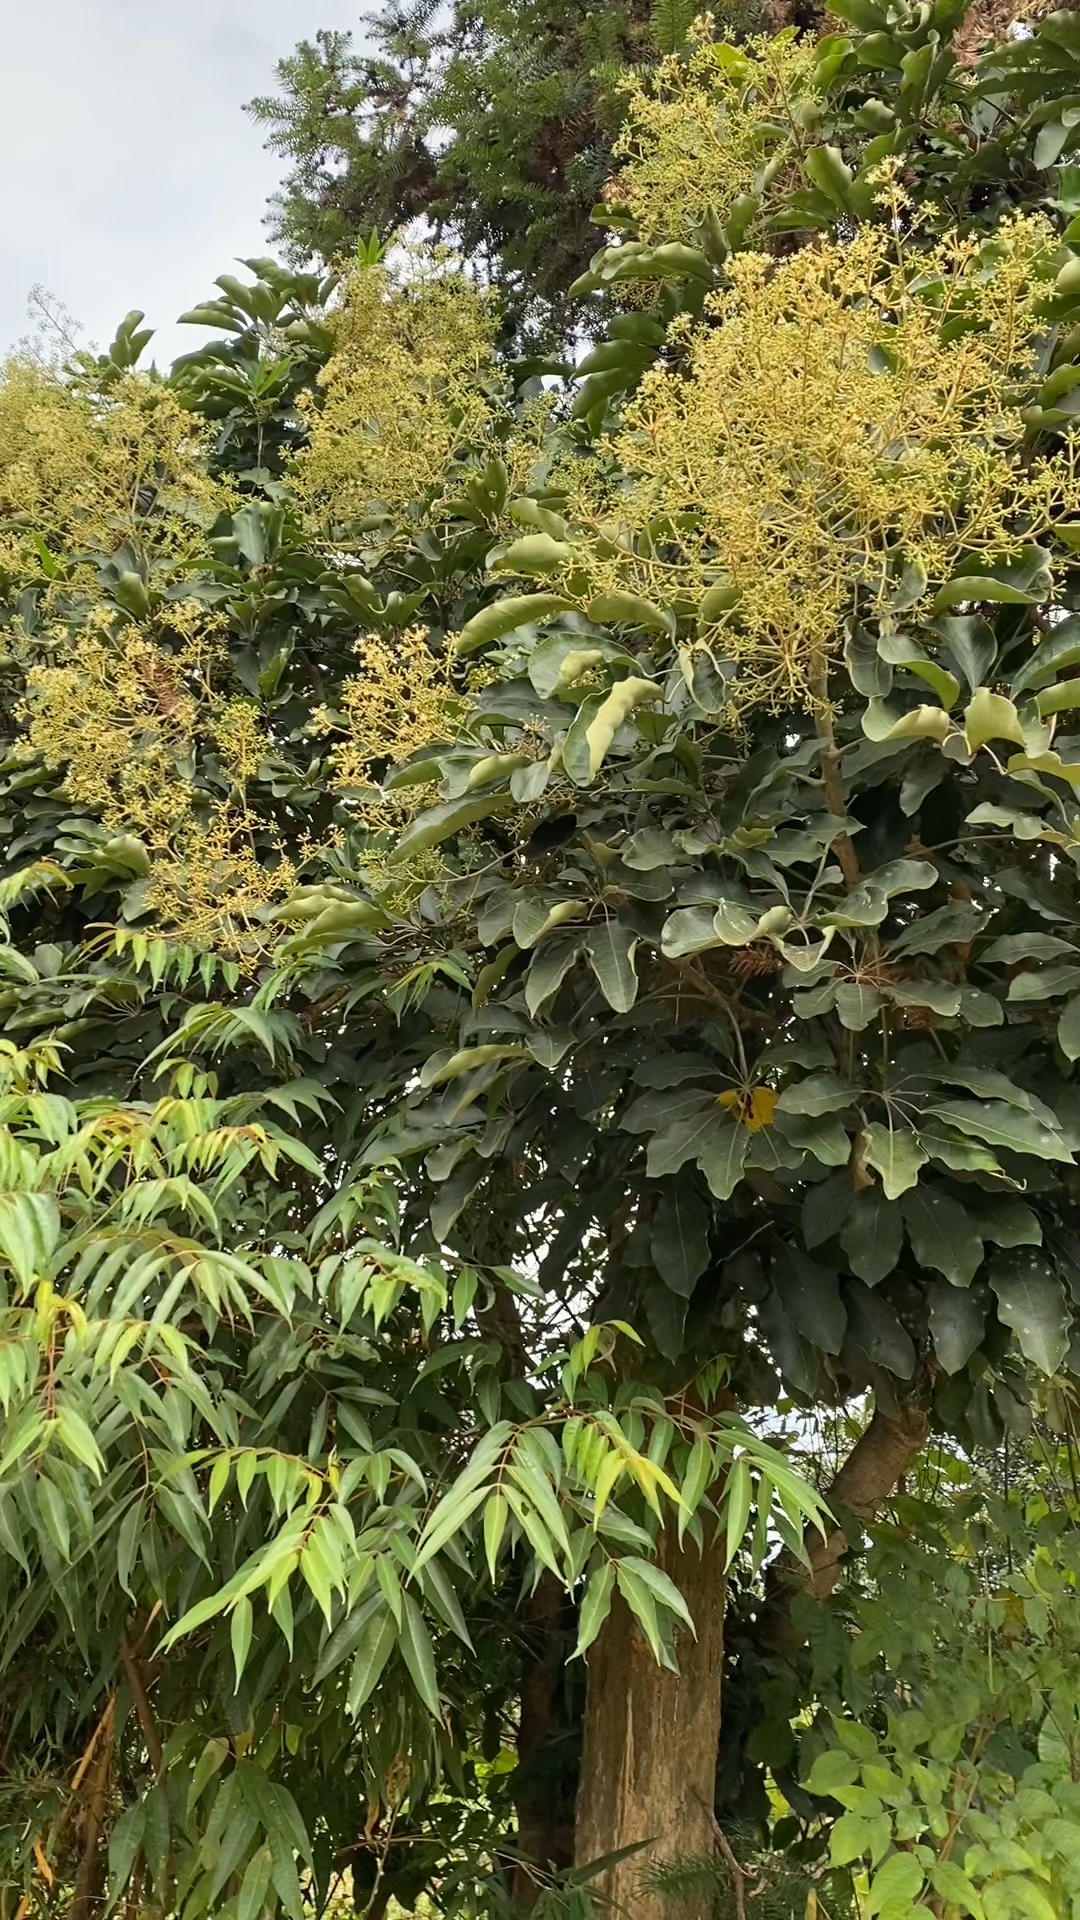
x=652, y=807
x=493, y=127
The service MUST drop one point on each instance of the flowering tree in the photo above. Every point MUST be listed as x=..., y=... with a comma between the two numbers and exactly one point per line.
x=541, y=935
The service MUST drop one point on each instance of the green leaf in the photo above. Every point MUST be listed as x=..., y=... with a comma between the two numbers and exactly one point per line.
x=816, y=1093
x=372, y=1653
x=439, y=823
x=29, y=1231
x=417, y=1654
x=630, y=610
x=689, y=930
x=831, y=1771
x=957, y=1324
x=505, y=616
x=989, y=716
x=1008, y=1222
x=829, y=172
x=874, y=1325
x=679, y=1241
x=125, y=1842
x=810, y=1297
x=895, y=1153
x=1068, y=1029
x=611, y=948
x=598, y=721
x=943, y=1233
x=240, y=1630
x=662, y=1586
x=495, y=1517
x=595, y=1606
x=1031, y=1300
x=722, y=1157
x=897, y=1883
x=551, y=962
x=641, y=1601
x=952, y=1883
x=54, y=1515
x=850, y=1838
x=872, y=1234
x=1005, y=1126
x=254, y=1886
x=534, y=553
x=824, y=1136
x=738, y=1495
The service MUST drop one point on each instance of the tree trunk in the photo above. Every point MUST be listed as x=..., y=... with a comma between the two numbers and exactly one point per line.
x=649, y=1763
x=544, y=1805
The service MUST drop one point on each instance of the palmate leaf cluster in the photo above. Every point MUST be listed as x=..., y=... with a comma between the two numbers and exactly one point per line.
x=627, y=1058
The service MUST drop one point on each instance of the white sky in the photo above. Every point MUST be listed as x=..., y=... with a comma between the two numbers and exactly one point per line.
x=130, y=174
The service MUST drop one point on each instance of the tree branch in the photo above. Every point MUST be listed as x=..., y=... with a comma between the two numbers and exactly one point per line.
x=85, y=1897
x=738, y=1874
x=133, y=1669
x=871, y=1471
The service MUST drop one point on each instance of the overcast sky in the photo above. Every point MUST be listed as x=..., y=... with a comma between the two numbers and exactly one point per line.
x=131, y=176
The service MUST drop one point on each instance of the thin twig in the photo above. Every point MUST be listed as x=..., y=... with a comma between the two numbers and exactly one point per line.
x=738, y=1875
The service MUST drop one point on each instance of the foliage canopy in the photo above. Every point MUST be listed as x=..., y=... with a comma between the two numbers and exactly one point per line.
x=541, y=941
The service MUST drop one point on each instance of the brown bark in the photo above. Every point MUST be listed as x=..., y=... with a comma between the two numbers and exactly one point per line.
x=136, y=1681
x=872, y=1470
x=649, y=1763
x=545, y=1821
x=87, y=1898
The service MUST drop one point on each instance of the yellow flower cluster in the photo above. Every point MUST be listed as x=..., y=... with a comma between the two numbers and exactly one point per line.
x=405, y=391
x=121, y=714
x=402, y=698
x=824, y=436
x=240, y=737
x=87, y=471
x=702, y=130
x=117, y=714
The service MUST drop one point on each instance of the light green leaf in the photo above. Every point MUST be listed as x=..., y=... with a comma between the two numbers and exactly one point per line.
x=895, y=1153
x=29, y=1231
x=595, y=1606
x=897, y=1883
x=738, y=1496
x=504, y=616
x=611, y=948
x=989, y=716
x=254, y=1886
x=240, y=1629
x=831, y=1770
